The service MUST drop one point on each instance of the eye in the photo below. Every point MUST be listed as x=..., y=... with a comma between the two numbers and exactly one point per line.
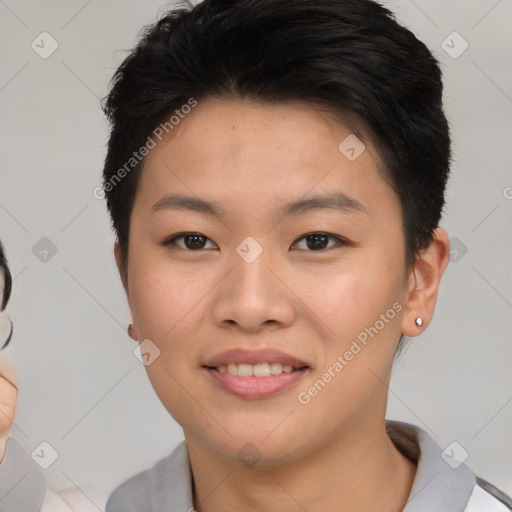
x=319, y=241
x=191, y=241
x=314, y=242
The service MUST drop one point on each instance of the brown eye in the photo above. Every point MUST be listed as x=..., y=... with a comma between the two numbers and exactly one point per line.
x=189, y=241
x=320, y=241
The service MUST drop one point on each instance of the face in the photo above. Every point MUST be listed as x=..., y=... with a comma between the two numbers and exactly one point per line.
x=320, y=287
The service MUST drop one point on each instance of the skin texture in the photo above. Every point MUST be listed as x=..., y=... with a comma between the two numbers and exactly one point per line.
x=332, y=453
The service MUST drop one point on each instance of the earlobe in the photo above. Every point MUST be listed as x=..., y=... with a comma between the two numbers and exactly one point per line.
x=424, y=283
x=132, y=332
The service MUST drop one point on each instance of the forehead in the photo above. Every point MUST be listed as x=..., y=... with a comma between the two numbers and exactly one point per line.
x=240, y=149
x=226, y=127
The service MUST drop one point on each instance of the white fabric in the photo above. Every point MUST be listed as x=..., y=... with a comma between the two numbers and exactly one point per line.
x=482, y=501
x=73, y=500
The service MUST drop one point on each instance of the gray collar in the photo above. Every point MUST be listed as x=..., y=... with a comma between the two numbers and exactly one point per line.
x=437, y=486
x=171, y=482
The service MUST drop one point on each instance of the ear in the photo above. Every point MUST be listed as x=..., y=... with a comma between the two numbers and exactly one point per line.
x=424, y=281
x=132, y=332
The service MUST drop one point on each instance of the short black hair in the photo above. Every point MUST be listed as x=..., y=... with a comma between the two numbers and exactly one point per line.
x=351, y=56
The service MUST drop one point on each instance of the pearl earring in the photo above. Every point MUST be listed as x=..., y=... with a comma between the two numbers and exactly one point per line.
x=418, y=321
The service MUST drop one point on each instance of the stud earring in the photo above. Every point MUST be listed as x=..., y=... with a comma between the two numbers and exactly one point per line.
x=418, y=321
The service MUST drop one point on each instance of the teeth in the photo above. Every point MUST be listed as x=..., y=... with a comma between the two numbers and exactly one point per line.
x=245, y=370
x=276, y=368
x=256, y=370
x=260, y=370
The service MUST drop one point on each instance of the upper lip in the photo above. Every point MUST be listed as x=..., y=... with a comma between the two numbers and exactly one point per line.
x=255, y=356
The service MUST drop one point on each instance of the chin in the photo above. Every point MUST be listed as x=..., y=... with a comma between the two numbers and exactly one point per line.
x=252, y=446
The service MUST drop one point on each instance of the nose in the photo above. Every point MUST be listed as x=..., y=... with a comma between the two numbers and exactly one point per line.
x=254, y=294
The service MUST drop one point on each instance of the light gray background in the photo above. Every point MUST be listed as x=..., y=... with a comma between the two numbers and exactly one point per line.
x=81, y=388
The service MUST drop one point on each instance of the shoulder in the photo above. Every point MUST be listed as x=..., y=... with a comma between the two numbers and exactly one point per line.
x=166, y=483
x=23, y=486
x=133, y=495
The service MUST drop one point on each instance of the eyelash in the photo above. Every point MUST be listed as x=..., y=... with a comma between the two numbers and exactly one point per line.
x=340, y=242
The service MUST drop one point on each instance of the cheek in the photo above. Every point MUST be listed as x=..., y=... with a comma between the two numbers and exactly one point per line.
x=162, y=303
x=361, y=312
x=347, y=297
x=361, y=306
x=163, y=297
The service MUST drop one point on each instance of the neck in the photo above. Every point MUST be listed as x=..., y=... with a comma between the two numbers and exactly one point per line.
x=358, y=470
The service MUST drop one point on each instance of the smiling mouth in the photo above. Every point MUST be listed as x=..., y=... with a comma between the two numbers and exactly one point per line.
x=256, y=370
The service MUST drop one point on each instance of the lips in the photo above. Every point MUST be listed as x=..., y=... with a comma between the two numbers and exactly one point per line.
x=255, y=374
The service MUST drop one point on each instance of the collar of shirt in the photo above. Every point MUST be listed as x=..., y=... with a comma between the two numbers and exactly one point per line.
x=442, y=481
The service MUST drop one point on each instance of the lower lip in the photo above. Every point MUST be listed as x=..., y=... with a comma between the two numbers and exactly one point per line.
x=255, y=387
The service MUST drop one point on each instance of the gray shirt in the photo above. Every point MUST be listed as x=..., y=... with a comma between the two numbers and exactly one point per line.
x=442, y=484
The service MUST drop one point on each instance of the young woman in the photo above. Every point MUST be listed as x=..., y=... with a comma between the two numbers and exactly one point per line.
x=275, y=177
x=277, y=239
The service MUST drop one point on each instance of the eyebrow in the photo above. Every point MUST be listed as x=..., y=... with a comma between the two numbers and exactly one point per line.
x=333, y=201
